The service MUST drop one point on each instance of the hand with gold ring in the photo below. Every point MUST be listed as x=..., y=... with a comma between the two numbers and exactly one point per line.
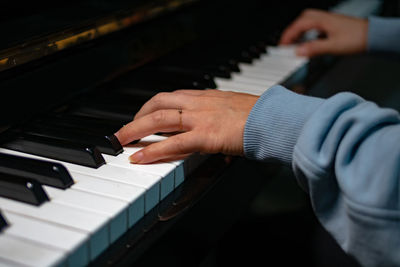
x=208, y=121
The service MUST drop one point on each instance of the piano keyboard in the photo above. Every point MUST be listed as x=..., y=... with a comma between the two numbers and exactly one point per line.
x=73, y=226
x=77, y=224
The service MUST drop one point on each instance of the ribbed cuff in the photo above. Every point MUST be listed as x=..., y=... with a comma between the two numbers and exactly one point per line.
x=275, y=122
x=383, y=34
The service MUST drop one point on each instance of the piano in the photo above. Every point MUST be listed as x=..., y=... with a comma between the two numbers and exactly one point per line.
x=73, y=72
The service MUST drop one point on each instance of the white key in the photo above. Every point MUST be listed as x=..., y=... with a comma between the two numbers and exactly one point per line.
x=278, y=64
x=276, y=68
x=224, y=88
x=93, y=224
x=179, y=164
x=252, y=70
x=132, y=195
x=242, y=87
x=260, y=69
x=21, y=252
x=237, y=84
x=261, y=78
x=183, y=167
x=6, y=263
x=73, y=243
x=164, y=171
x=254, y=81
x=115, y=210
x=262, y=75
x=284, y=61
x=151, y=183
x=286, y=51
x=270, y=67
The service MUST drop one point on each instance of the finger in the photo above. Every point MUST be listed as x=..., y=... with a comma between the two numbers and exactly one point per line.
x=166, y=101
x=315, y=48
x=175, y=146
x=158, y=121
x=297, y=29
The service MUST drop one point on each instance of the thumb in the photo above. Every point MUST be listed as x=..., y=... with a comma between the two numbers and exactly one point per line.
x=314, y=48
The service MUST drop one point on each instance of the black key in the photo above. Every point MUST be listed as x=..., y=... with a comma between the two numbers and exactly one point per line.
x=145, y=88
x=132, y=83
x=178, y=80
x=107, y=144
x=120, y=103
x=106, y=106
x=148, y=91
x=48, y=173
x=200, y=74
x=22, y=189
x=223, y=50
x=84, y=124
x=93, y=125
x=114, y=98
x=216, y=63
x=103, y=111
x=262, y=46
x=206, y=70
x=254, y=51
x=244, y=56
x=3, y=222
x=212, y=61
x=233, y=65
x=57, y=149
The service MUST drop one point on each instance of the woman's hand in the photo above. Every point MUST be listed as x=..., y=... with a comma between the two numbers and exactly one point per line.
x=207, y=121
x=344, y=34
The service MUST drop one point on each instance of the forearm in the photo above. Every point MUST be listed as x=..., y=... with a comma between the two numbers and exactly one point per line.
x=346, y=154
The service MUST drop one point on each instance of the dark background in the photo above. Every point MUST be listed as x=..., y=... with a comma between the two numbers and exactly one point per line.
x=274, y=225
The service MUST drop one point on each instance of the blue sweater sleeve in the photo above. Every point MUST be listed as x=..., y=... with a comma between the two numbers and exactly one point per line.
x=345, y=152
x=383, y=35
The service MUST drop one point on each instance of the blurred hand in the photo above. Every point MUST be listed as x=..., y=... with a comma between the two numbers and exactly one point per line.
x=344, y=34
x=211, y=121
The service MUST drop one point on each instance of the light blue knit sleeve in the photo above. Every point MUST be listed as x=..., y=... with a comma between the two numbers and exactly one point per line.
x=383, y=34
x=345, y=152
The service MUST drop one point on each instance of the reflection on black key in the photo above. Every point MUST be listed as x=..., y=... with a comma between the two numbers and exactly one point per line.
x=48, y=173
x=254, y=51
x=82, y=123
x=114, y=99
x=22, y=189
x=103, y=112
x=177, y=81
x=3, y=222
x=57, y=149
x=107, y=144
x=200, y=76
x=205, y=70
x=127, y=86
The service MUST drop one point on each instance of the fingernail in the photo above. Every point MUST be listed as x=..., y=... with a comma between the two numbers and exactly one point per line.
x=301, y=51
x=137, y=157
